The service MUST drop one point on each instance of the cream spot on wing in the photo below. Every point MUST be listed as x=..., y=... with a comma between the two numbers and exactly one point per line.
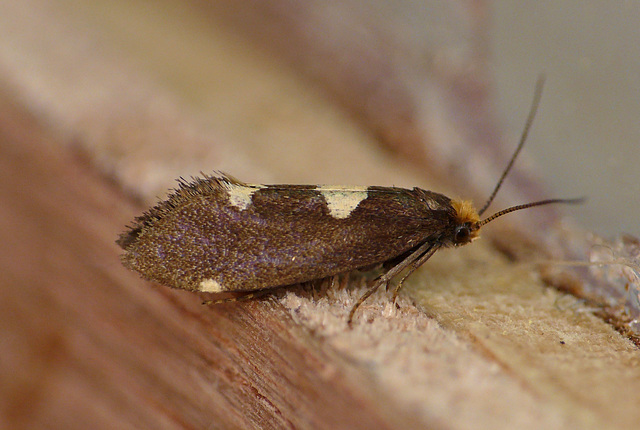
x=211, y=286
x=341, y=200
x=240, y=194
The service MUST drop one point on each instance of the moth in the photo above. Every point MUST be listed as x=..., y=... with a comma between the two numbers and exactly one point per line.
x=216, y=234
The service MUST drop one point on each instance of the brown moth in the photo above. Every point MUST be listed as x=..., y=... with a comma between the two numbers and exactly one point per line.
x=217, y=234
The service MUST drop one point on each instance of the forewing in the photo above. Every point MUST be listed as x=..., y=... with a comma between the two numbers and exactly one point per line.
x=221, y=235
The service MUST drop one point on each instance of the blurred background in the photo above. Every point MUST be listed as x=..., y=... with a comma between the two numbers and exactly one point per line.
x=586, y=139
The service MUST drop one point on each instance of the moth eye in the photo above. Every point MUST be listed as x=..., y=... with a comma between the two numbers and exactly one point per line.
x=462, y=234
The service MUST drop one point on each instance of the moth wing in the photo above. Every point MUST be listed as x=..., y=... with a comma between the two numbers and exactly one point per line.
x=219, y=234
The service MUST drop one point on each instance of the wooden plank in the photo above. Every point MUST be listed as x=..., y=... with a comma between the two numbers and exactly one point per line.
x=87, y=343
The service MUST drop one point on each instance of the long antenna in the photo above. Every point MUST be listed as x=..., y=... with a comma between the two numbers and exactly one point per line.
x=529, y=205
x=527, y=126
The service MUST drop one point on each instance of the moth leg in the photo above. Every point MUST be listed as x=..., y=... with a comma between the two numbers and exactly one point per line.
x=365, y=296
x=244, y=297
x=424, y=249
x=412, y=268
x=339, y=282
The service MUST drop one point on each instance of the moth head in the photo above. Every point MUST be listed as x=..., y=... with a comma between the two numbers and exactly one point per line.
x=467, y=222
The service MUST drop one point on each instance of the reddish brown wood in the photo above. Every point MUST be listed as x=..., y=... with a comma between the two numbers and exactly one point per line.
x=86, y=343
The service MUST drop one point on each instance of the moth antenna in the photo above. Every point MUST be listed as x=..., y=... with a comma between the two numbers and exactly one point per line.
x=529, y=205
x=527, y=126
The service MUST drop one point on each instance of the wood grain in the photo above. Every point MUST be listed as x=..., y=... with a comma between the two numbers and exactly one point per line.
x=87, y=343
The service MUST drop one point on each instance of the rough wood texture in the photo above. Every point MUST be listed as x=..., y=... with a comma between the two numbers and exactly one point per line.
x=108, y=98
x=88, y=344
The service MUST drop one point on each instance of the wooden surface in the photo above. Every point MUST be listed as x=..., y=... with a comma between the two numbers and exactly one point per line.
x=104, y=104
x=87, y=343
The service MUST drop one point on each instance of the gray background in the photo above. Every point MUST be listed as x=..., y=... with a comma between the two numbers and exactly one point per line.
x=586, y=139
